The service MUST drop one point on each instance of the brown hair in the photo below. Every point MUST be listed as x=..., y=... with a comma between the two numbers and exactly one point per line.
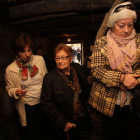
x=64, y=47
x=20, y=42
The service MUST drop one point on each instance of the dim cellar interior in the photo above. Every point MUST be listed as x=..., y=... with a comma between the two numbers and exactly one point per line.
x=48, y=23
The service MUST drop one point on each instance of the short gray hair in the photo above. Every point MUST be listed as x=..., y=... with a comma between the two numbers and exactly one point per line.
x=122, y=14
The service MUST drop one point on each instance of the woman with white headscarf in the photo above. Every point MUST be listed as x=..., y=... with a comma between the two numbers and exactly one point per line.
x=115, y=67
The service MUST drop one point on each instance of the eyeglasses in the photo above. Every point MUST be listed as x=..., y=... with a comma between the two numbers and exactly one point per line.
x=128, y=6
x=62, y=58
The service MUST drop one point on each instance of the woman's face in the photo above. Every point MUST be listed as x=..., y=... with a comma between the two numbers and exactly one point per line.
x=63, y=60
x=26, y=54
x=123, y=27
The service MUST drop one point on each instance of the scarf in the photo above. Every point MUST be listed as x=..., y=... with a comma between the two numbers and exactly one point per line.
x=23, y=71
x=121, y=53
x=77, y=107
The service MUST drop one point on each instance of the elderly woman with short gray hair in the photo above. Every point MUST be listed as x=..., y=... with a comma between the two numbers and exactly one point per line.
x=115, y=68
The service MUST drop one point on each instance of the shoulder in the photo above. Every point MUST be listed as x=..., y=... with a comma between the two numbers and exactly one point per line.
x=37, y=58
x=100, y=43
x=138, y=39
x=76, y=65
x=102, y=40
x=52, y=78
x=138, y=36
x=12, y=66
x=79, y=69
x=51, y=74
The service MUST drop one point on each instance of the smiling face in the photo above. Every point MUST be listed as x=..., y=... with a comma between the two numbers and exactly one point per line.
x=123, y=28
x=63, y=60
x=26, y=54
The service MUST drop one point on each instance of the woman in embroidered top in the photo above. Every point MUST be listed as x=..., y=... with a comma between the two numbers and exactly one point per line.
x=63, y=93
x=24, y=77
x=115, y=68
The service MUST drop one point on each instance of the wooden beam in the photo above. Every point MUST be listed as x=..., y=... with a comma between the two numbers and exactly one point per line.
x=77, y=29
x=50, y=16
x=39, y=18
x=58, y=21
x=52, y=7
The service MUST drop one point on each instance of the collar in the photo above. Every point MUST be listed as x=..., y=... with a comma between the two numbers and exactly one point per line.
x=14, y=67
x=104, y=46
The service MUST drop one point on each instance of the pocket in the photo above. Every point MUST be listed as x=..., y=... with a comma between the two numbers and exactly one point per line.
x=59, y=96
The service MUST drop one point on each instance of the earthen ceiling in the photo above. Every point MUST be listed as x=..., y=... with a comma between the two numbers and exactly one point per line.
x=56, y=17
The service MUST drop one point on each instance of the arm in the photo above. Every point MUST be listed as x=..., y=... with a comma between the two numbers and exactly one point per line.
x=138, y=78
x=43, y=66
x=48, y=104
x=12, y=85
x=137, y=65
x=11, y=88
x=101, y=69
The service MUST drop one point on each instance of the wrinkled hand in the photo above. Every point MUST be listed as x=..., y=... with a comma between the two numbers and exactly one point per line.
x=69, y=126
x=130, y=80
x=21, y=92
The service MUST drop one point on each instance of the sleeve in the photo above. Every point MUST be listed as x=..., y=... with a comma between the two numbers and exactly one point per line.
x=100, y=67
x=48, y=105
x=137, y=71
x=44, y=67
x=10, y=86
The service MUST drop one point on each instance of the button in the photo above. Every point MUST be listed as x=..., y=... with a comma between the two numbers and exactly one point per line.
x=109, y=85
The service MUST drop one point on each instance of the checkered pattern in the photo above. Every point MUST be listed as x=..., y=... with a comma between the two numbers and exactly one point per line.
x=106, y=83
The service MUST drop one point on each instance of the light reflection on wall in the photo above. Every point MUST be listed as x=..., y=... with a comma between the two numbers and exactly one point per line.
x=76, y=52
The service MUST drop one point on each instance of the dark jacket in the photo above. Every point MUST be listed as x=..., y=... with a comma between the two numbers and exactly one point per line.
x=57, y=96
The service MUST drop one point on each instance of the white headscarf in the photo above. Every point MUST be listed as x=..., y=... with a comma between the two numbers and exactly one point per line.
x=122, y=14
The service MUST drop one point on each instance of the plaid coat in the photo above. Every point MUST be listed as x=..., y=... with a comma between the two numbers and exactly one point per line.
x=106, y=83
